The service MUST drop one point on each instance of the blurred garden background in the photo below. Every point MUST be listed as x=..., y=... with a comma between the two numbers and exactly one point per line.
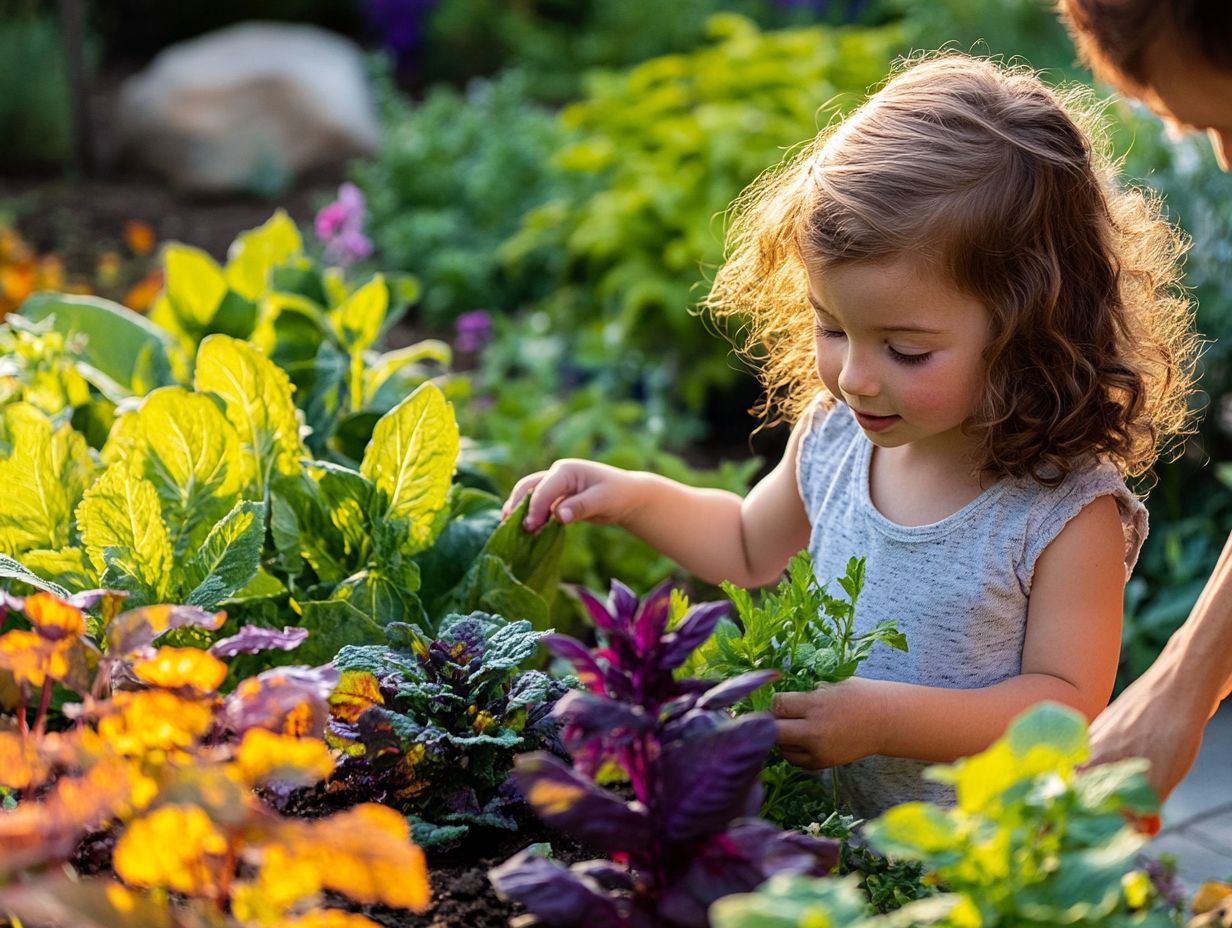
x=543, y=183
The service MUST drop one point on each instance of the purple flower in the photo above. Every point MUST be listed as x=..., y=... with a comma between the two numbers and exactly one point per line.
x=474, y=330
x=340, y=227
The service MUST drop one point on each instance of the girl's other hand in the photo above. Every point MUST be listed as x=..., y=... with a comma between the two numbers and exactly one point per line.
x=832, y=725
x=573, y=490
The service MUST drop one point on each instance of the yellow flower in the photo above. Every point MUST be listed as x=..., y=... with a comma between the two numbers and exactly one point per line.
x=31, y=658
x=328, y=918
x=174, y=847
x=264, y=755
x=151, y=721
x=172, y=668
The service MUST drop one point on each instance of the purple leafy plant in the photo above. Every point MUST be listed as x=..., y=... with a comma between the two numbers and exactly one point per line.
x=688, y=836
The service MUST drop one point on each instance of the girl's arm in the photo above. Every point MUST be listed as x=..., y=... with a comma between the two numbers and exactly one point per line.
x=713, y=534
x=1069, y=656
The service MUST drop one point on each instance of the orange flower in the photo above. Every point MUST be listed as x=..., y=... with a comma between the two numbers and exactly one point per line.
x=139, y=237
x=141, y=294
x=153, y=722
x=53, y=618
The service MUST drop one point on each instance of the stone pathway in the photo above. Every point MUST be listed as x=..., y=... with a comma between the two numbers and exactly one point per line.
x=1197, y=818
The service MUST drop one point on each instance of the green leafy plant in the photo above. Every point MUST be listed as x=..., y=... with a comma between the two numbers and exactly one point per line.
x=431, y=724
x=670, y=143
x=807, y=635
x=209, y=495
x=452, y=179
x=1033, y=840
x=321, y=331
x=35, y=105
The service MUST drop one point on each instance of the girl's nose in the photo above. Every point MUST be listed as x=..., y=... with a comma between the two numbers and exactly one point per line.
x=857, y=377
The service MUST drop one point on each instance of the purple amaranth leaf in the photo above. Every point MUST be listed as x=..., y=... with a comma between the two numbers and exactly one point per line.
x=559, y=898
x=686, y=637
x=623, y=604
x=596, y=608
x=730, y=692
x=137, y=628
x=586, y=667
x=739, y=860
x=266, y=700
x=705, y=781
x=599, y=724
x=568, y=801
x=254, y=638
x=650, y=620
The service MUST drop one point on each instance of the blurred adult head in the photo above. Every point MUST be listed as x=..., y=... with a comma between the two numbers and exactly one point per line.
x=1174, y=55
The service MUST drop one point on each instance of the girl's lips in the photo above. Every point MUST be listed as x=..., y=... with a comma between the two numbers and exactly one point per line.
x=874, y=423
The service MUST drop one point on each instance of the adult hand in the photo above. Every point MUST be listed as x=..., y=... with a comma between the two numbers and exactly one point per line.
x=831, y=725
x=1156, y=718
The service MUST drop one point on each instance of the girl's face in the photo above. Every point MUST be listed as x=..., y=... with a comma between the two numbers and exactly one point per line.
x=903, y=348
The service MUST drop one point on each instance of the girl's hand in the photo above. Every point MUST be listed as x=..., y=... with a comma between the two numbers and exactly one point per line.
x=571, y=490
x=834, y=724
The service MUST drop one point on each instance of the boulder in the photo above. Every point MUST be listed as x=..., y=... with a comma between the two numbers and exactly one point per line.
x=249, y=107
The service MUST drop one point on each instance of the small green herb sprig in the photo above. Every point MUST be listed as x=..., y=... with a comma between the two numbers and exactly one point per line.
x=797, y=628
x=808, y=635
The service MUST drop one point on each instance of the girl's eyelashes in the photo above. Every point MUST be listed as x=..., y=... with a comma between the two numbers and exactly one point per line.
x=909, y=358
x=897, y=356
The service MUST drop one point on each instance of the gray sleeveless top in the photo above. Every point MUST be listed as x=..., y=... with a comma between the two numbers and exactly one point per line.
x=957, y=588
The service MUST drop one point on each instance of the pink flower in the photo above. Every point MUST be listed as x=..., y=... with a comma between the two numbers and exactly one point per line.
x=340, y=227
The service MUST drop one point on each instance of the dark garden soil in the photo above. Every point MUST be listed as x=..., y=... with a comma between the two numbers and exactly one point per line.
x=462, y=896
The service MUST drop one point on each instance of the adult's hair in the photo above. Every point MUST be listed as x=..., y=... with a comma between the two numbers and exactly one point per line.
x=980, y=172
x=1112, y=36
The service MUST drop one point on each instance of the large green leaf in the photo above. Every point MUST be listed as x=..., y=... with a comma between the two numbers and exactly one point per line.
x=411, y=457
x=42, y=480
x=357, y=320
x=70, y=567
x=332, y=625
x=257, y=399
x=124, y=346
x=14, y=570
x=195, y=285
x=184, y=446
x=229, y=558
x=121, y=525
x=255, y=253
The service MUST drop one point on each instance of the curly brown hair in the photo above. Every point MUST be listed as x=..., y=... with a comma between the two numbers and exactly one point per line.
x=986, y=174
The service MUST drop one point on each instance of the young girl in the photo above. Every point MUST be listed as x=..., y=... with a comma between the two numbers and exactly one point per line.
x=979, y=338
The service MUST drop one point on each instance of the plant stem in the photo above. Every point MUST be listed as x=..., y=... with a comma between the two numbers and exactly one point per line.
x=40, y=717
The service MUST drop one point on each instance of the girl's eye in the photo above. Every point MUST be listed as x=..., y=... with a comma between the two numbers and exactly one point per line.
x=910, y=358
x=828, y=333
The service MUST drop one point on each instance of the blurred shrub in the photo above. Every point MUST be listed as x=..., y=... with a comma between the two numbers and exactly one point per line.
x=671, y=143
x=452, y=179
x=35, y=106
x=556, y=41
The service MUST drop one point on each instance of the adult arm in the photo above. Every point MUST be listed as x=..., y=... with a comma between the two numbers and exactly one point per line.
x=1161, y=715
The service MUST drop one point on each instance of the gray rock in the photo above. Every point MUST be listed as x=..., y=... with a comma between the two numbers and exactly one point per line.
x=248, y=108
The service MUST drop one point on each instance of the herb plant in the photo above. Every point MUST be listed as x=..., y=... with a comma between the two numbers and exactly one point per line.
x=807, y=635
x=685, y=838
x=430, y=725
x=1032, y=841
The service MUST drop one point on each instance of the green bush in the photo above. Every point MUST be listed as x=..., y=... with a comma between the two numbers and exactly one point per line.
x=452, y=179
x=556, y=41
x=671, y=143
x=35, y=105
